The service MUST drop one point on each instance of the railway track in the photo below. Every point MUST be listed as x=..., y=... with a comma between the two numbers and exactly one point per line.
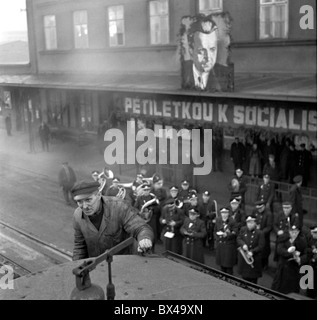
x=256, y=289
x=48, y=251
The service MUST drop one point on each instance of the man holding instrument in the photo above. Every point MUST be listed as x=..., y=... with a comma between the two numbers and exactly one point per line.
x=251, y=244
x=101, y=223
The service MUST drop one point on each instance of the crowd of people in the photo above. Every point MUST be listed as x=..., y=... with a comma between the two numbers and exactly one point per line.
x=191, y=224
x=282, y=160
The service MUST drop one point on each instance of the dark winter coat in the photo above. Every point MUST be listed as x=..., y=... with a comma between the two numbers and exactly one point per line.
x=66, y=181
x=226, y=247
x=174, y=244
x=264, y=223
x=193, y=245
x=287, y=277
x=255, y=242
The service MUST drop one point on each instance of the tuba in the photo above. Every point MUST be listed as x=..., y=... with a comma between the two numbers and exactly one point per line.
x=247, y=257
x=146, y=213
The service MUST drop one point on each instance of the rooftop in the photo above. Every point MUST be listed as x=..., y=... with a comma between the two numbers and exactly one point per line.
x=263, y=87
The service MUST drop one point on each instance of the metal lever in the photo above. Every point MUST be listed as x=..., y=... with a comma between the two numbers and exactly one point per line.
x=82, y=272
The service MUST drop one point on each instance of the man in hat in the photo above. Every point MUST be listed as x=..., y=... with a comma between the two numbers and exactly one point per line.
x=237, y=213
x=66, y=179
x=184, y=191
x=264, y=222
x=266, y=192
x=251, y=241
x=291, y=255
x=136, y=184
x=194, y=204
x=272, y=169
x=173, y=193
x=159, y=191
x=172, y=219
x=296, y=198
x=226, y=231
x=239, y=187
x=304, y=159
x=113, y=190
x=194, y=231
x=208, y=215
x=100, y=222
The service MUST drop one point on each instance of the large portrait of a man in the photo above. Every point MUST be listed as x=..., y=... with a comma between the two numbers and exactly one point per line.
x=205, y=53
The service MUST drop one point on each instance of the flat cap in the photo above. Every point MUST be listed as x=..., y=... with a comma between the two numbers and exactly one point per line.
x=224, y=210
x=84, y=189
x=250, y=218
x=173, y=188
x=193, y=211
x=286, y=204
x=235, y=201
x=259, y=203
x=298, y=179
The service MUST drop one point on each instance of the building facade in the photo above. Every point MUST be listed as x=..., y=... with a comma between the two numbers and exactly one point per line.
x=97, y=60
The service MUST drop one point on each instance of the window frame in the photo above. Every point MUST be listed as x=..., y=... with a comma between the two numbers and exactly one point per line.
x=210, y=11
x=168, y=33
x=50, y=28
x=273, y=4
x=74, y=31
x=111, y=45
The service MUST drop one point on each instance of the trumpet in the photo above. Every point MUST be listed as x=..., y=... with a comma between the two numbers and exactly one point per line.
x=248, y=258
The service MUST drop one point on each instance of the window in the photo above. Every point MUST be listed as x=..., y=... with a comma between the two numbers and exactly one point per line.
x=54, y=108
x=116, y=25
x=86, y=111
x=210, y=6
x=273, y=19
x=50, y=32
x=81, y=29
x=159, y=22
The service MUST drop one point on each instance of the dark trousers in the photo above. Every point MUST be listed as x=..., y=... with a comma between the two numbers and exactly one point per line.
x=8, y=131
x=67, y=196
x=44, y=144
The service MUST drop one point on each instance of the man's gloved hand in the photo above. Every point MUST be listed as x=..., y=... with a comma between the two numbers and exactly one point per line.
x=144, y=245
